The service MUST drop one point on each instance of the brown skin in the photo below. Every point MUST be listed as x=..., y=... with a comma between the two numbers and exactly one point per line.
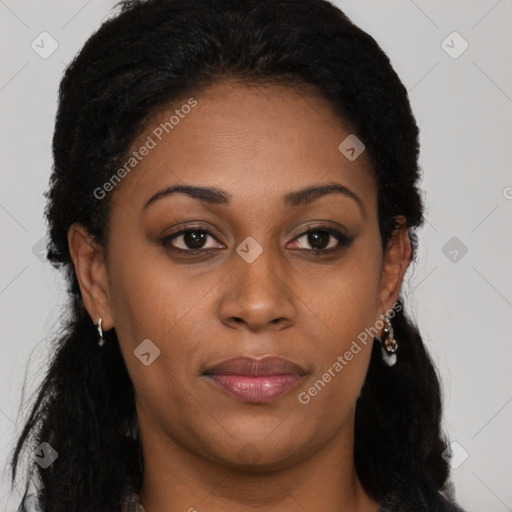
x=257, y=143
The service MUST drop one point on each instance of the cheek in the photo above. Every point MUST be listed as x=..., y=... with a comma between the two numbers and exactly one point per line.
x=148, y=307
x=346, y=295
x=345, y=300
x=340, y=359
x=148, y=296
x=160, y=312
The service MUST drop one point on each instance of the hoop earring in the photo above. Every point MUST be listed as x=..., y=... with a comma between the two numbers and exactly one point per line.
x=389, y=345
x=101, y=341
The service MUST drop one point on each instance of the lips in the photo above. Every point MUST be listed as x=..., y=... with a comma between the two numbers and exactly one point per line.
x=255, y=380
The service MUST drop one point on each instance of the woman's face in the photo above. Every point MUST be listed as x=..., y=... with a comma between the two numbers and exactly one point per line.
x=257, y=287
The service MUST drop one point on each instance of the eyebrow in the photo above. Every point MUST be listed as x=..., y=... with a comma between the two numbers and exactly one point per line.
x=216, y=196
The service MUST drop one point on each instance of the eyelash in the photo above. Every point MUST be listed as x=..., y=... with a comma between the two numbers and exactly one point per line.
x=344, y=241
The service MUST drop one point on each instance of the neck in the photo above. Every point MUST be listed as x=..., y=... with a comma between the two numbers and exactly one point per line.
x=176, y=479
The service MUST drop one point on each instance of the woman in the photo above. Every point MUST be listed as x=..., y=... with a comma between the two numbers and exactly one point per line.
x=234, y=202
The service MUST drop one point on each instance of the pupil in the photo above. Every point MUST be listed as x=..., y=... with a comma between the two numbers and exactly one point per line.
x=319, y=237
x=194, y=239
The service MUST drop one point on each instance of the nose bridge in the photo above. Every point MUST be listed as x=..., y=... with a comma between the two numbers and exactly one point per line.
x=258, y=263
x=258, y=293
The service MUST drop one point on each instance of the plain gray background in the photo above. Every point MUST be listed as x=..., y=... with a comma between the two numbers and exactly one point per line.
x=460, y=290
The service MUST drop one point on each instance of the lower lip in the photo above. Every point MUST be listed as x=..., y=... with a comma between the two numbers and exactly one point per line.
x=252, y=388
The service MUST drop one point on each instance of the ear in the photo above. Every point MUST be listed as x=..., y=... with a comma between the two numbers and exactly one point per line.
x=396, y=261
x=90, y=267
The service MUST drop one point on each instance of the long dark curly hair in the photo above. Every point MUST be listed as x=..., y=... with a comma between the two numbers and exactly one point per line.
x=146, y=56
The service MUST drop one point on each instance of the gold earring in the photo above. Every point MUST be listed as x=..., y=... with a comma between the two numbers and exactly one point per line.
x=389, y=345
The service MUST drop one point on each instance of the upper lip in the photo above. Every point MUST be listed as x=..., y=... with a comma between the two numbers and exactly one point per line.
x=245, y=365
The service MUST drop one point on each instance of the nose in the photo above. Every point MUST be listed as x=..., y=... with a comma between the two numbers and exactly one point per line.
x=258, y=295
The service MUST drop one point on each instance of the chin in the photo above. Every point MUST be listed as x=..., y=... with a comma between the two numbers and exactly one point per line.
x=259, y=452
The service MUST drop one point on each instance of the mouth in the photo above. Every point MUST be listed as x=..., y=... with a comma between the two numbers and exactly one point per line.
x=255, y=380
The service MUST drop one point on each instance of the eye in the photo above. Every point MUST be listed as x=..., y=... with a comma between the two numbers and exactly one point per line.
x=323, y=239
x=192, y=240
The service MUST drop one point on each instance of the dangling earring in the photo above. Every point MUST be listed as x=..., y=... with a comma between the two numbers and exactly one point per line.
x=389, y=345
x=101, y=341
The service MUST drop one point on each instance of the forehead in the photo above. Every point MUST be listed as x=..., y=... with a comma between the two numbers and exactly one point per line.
x=256, y=141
